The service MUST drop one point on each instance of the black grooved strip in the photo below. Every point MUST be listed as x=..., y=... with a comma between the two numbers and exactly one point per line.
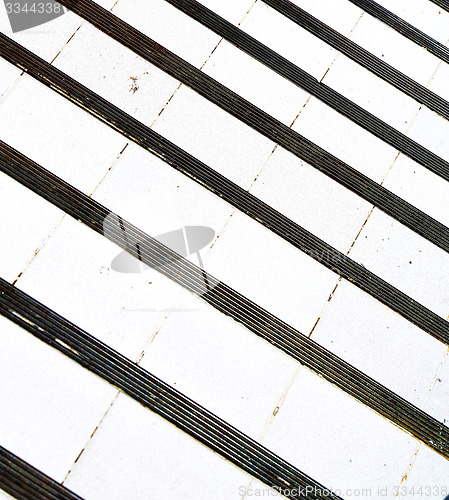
x=238, y=197
x=246, y=112
x=158, y=396
x=296, y=75
x=226, y=300
x=404, y=28
x=24, y=482
x=361, y=56
x=444, y=4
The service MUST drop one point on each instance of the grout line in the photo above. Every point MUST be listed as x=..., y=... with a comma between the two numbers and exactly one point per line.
x=201, y=67
x=436, y=378
x=420, y=444
x=75, y=32
x=409, y=468
x=275, y=412
x=277, y=145
x=331, y=296
x=157, y=329
x=284, y=395
x=161, y=324
x=338, y=53
x=10, y=88
x=66, y=43
x=116, y=159
x=45, y=240
x=372, y=209
x=247, y=488
x=54, y=58
x=247, y=12
x=280, y=402
x=111, y=404
x=165, y=105
x=303, y=107
x=320, y=315
x=39, y=248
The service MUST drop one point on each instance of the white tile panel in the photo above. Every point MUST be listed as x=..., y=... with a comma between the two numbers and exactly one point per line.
x=169, y=27
x=406, y=260
x=336, y=440
x=288, y=39
x=255, y=82
x=50, y=404
x=220, y=364
x=116, y=74
x=214, y=137
x=394, y=49
x=275, y=275
x=420, y=187
x=151, y=459
x=57, y=134
x=344, y=139
x=311, y=199
x=424, y=15
x=380, y=343
x=431, y=131
x=27, y=220
x=372, y=93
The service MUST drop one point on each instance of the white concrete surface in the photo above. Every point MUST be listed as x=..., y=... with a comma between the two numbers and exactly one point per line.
x=69, y=423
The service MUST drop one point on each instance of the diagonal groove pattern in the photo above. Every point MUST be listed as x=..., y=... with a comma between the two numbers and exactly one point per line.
x=238, y=197
x=361, y=56
x=307, y=82
x=25, y=482
x=157, y=395
x=404, y=28
x=244, y=111
x=228, y=301
x=444, y=4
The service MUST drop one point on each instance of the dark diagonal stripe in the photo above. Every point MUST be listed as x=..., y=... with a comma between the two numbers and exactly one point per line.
x=24, y=482
x=226, y=300
x=404, y=28
x=156, y=395
x=444, y=4
x=245, y=112
x=241, y=199
x=274, y=130
x=296, y=75
x=238, y=197
x=361, y=56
